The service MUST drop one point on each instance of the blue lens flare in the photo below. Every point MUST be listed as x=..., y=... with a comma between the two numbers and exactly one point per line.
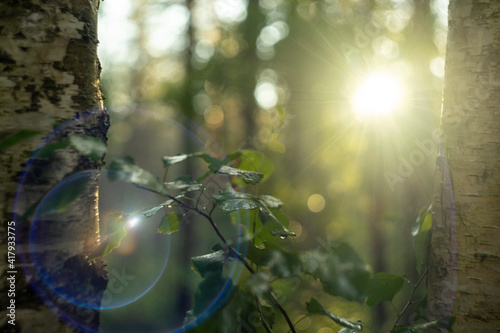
x=149, y=284
x=133, y=267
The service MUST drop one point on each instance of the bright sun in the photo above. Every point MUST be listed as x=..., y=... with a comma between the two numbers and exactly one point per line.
x=379, y=94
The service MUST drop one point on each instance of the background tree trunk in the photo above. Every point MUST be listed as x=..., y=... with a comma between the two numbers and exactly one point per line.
x=49, y=73
x=464, y=278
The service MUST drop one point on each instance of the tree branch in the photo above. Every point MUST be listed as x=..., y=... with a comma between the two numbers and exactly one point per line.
x=238, y=255
x=410, y=299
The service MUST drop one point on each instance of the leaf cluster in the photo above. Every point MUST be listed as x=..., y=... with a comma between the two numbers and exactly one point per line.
x=260, y=248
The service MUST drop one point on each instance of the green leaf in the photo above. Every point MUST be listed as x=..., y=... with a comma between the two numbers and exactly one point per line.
x=253, y=161
x=183, y=183
x=169, y=160
x=153, y=210
x=314, y=307
x=249, y=177
x=112, y=232
x=170, y=223
x=212, y=262
x=88, y=146
x=17, y=137
x=383, y=287
x=423, y=222
x=445, y=322
x=130, y=172
x=231, y=200
x=62, y=196
x=275, y=225
x=339, y=269
x=213, y=163
x=421, y=238
x=271, y=201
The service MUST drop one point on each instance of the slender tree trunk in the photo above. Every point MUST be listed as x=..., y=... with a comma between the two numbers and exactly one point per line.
x=464, y=279
x=49, y=73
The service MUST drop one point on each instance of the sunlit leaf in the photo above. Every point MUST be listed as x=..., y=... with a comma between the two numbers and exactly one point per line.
x=17, y=137
x=130, y=172
x=169, y=160
x=183, y=183
x=88, y=146
x=383, y=287
x=170, y=223
x=314, y=307
x=339, y=269
x=423, y=222
x=249, y=177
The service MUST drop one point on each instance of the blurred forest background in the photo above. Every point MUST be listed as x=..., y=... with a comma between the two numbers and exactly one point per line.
x=279, y=76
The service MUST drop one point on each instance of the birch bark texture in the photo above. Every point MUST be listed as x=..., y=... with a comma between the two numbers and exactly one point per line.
x=464, y=271
x=49, y=74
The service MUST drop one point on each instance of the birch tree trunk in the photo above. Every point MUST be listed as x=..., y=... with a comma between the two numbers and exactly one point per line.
x=464, y=274
x=49, y=73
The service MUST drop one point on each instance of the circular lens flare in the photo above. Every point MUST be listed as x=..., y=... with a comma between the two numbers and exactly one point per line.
x=52, y=239
x=379, y=94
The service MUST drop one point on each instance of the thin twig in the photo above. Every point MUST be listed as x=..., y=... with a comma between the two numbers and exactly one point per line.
x=298, y=321
x=238, y=255
x=410, y=299
x=262, y=320
x=283, y=312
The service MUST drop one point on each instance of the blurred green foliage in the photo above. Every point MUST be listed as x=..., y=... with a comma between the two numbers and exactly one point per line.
x=275, y=82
